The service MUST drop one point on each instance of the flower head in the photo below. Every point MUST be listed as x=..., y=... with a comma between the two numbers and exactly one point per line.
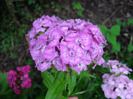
x=120, y=86
x=117, y=67
x=19, y=80
x=75, y=43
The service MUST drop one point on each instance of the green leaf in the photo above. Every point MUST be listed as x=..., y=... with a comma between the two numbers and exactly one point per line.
x=12, y=55
x=1, y=76
x=130, y=22
x=79, y=13
x=115, y=30
x=20, y=33
x=59, y=76
x=48, y=79
x=58, y=7
x=71, y=84
x=29, y=62
x=118, y=21
x=85, y=75
x=8, y=92
x=31, y=2
x=78, y=6
x=3, y=42
x=130, y=47
x=24, y=94
x=79, y=93
x=40, y=97
x=117, y=75
x=112, y=39
x=124, y=24
x=3, y=82
x=46, y=5
x=103, y=29
x=5, y=50
x=116, y=47
x=56, y=89
x=36, y=85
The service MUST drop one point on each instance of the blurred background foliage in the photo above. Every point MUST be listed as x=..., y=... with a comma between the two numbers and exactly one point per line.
x=114, y=18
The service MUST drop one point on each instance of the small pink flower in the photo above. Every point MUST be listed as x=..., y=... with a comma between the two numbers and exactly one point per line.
x=20, y=79
x=26, y=83
x=32, y=33
x=71, y=53
x=23, y=70
x=117, y=67
x=43, y=65
x=79, y=67
x=17, y=90
x=57, y=62
x=114, y=87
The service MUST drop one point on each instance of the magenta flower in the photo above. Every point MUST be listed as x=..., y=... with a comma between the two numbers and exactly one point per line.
x=117, y=67
x=12, y=77
x=71, y=53
x=32, y=33
x=26, y=83
x=24, y=70
x=120, y=86
x=57, y=62
x=75, y=43
x=117, y=84
x=17, y=90
x=84, y=40
x=72, y=36
x=97, y=35
x=44, y=65
x=49, y=53
x=19, y=80
x=79, y=67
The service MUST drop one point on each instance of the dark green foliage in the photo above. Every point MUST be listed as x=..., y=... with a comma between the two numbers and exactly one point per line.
x=77, y=6
x=111, y=36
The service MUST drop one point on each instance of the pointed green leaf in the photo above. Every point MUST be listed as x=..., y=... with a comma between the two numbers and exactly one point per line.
x=117, y=75
x=118, y=21
x=55, y=91
x=112, y=39
x=79, y=13
x=3, y=82
x=71, y=84
x=31, y=2
x=48, y=79
x=115, y=30
x=124, y=24
x=103, y=29
x=116, y=47
x=130, y=22
x=130, y=47
x=59, y=76
x=8, y=92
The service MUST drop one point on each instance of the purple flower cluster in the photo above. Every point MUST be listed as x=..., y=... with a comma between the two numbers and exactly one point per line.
x=117, y=84
x=116, y=67
x=19, y=80
x=73, y=43
x=115, y=87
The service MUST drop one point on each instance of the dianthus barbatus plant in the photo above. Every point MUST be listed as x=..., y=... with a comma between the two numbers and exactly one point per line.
x=19, y=80
x=117, y=84
x=65, y=43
